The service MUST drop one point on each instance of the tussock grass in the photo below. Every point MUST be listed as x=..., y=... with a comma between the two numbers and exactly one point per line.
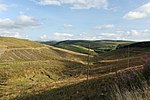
x=105, y=88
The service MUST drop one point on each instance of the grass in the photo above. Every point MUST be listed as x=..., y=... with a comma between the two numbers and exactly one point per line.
x=82, y=45
x=24, y=66
x=17, y=43
x=77, y=48
x=45, y=72
x=27, y=74
x=106, y=88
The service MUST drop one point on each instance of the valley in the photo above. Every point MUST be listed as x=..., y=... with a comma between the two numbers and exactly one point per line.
x=34, y=71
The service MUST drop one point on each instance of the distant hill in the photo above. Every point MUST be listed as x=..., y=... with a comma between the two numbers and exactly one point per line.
x=98, y=46
x=137, y=45
x=49, y=42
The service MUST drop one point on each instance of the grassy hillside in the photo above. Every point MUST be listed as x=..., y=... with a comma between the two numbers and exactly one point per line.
x=17, y=43
x=137, y=45
x=45, y=72
x=24, y=64
x=99, y=46
x=106, y=80
x=77, y=48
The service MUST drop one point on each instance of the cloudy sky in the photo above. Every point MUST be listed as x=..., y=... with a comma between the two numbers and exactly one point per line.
x=75, y=19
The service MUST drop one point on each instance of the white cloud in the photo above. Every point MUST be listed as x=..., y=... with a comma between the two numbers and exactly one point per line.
x=134, y=35
x=86, y=36
x=135, y=15
x=27, y=21
x=44, y=36
x=49, y=2
x=21, y=12
x=63, y=34
x=107, y=26
x=137, y=35
x=77, y=4
x=148, y=22
x=68, y=26
x=57, y=36
x=69, y=36
x=20, y=22
x=14, y=27
x=3, y=7
x=139, y=13
x=10, y=33
x=109, y=36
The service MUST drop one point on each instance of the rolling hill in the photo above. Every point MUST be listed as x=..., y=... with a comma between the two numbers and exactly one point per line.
x=24, y=64
x=17, y=43
x=145, y=44
x=102, y=84
x=98, y=46
x=34, y=71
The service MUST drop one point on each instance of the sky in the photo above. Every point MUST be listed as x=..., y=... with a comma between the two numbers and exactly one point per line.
x=45, y=20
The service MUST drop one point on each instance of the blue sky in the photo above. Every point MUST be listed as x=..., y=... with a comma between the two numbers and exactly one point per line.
x=75, y=19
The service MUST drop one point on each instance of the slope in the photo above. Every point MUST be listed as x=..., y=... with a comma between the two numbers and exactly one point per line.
x=50, y=73
x=82, y=46
x=17, y=43
x=102, y=79
x=24, y=64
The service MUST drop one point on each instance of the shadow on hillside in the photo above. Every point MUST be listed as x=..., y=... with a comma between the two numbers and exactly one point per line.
x=73, y=69
x=95, y=89
x=104, y=88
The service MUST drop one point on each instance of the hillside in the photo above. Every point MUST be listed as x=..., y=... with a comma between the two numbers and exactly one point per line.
x=24, y=64
x=98, y=46
x=138, y=45
x=17, y=43
x=45, y=72
x=106, y=70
